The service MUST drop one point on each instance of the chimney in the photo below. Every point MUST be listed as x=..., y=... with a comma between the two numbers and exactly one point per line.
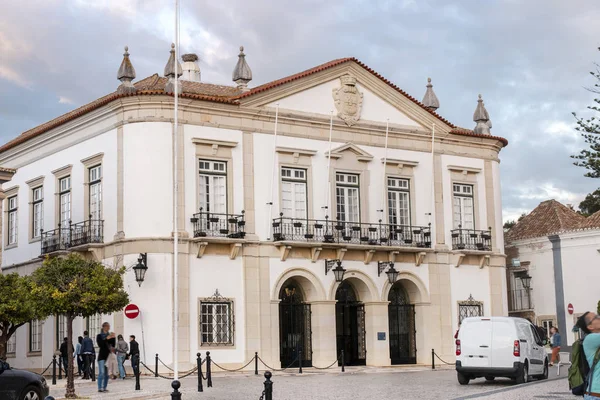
x=191, y=70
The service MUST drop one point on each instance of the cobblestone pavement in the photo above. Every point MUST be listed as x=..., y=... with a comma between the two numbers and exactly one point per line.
x=382, y=383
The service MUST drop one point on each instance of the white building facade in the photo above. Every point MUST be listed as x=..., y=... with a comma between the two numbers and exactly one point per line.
x=260, y=217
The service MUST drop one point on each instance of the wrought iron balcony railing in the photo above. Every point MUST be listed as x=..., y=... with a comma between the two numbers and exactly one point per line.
x=207, y=224
x=328, y=231
x=63, y=238
x=86, y=232
x=471, y=239
x=520, y=300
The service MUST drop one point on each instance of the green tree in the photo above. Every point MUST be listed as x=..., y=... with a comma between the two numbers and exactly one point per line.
x=511, y=222
x=598, y=310
x=73, y=286
x=590, y=204
x=589, y=128
x=17, y=307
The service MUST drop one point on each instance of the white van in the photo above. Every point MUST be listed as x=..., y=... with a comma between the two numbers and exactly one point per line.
x=499, y=347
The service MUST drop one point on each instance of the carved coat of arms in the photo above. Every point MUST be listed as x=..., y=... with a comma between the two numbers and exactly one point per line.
x=348, y=100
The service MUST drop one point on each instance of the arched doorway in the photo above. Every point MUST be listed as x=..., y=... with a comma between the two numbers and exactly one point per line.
x=401, y=316
x=350, y=325
x=294, y=326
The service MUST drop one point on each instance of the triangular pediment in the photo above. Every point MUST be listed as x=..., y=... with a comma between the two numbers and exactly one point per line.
x=351, y=91
x=353, y=149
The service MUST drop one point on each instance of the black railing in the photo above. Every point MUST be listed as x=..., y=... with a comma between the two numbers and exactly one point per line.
x=471, y=239
x=86, y=232
x=64, y=238
x=329, y=231
x=219, y=225
x=520, y=300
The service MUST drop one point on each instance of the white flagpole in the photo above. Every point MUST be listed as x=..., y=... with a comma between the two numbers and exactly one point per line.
x=327, y=199
x=175, y=206
x=432, y=176
x=270, y=203
x=387, y=128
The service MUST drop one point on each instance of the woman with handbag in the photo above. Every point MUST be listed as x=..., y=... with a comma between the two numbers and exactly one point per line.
x=555, y=340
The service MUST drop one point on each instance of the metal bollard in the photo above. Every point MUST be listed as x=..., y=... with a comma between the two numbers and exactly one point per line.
x=60, y=362
x=300, y=361
x=54, y=369
x=156, y=366
x=343, y=362
x=176, y=395
x=137, y=371
x=268, y=386
x=256, y=363
x=208, y=370
x=432, y=359
x=93, y=368
x=199, y=362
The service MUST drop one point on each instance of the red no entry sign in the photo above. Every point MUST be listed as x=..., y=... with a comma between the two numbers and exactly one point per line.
x=570, y=308
x=132, y=311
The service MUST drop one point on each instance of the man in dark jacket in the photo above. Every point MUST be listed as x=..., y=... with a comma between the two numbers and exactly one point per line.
x=88, y=353
x=64, y=353
x=105, y=340
x=134, y=354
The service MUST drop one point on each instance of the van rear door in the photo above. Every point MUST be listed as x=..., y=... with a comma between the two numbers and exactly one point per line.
x=504, y=336
x=476, y=342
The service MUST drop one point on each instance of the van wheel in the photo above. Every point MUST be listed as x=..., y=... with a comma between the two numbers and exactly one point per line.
x=463, y=379
x=490, y=378
x=545, y=374
x=523, y=377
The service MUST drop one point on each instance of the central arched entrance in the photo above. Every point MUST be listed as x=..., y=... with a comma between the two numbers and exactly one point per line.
x=294, y=326
x=350, y=325
x=401, y=316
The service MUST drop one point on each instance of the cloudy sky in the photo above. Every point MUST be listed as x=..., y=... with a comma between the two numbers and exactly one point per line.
x=529, y=58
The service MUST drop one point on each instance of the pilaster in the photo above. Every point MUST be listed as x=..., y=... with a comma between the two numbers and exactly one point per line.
x=248, y=161
x=438, y=188
x=376, y=320
x=324, y=344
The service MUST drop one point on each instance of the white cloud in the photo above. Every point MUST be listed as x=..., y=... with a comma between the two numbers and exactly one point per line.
x=65, y=100
x=14, y=77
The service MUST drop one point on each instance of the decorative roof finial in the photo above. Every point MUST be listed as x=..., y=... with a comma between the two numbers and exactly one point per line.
x=126, y=74
x=430, y=100
x=170, y=71
x=482, y=118
x=242, y=74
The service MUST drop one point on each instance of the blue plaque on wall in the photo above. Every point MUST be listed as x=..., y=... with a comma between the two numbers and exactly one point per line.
x=380, y=335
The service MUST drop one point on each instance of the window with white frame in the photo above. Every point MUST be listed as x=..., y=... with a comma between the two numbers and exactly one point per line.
x=216, y=321
x=398, y=201
x=11, y=345
x=293, y=193
x=212, y=189
x=93, y=325
x=64, y=185
x=35, y=336
x=61, y=329
x=37, y=206
x=347, y=197
x=12, y=220
x=547, y=324
x=95, y=192
x=463, y=208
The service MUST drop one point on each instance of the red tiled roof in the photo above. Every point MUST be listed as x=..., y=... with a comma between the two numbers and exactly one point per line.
x=154, y=85
x=593, y=221
x=547, y=218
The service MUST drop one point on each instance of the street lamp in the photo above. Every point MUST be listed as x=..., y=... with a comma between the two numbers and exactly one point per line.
x=526, y=281
x=392, y=273
x=338, y=271
x=141, y=268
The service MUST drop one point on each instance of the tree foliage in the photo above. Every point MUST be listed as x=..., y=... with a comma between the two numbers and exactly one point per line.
x=73, y=286
x=17, y=307
x=589, y=128
x=590, y=204
x=511, y=222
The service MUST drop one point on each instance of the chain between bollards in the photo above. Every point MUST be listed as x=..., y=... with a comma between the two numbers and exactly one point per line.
x=199, y=363
x=256, y=363
x=268, y=386
x=54, y=369
x=156, y=366
x=208, y=370
x=176, y=395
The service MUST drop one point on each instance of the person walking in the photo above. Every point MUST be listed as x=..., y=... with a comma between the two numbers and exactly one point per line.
x=64, y=353
x=105, y=341
x=589, y=323
x=555, y=340
x=77, y=355
x=134, y=354
x=122, y=350
x=87, y=353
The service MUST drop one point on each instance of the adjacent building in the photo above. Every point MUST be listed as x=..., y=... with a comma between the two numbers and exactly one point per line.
x=552, y=256
x=282, y=187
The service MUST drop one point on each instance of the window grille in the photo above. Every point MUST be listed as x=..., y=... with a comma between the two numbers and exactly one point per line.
x=216, y=321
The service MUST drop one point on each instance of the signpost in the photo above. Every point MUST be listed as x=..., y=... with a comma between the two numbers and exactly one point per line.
x=132, y=311
x=570, y=309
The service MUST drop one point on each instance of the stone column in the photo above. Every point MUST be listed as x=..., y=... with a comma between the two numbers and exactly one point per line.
x=423, y=332
x=376, y=320
x=324, y=345
x=248, y=159
x=250, y=263
x=438, y=188
x=439, y=327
